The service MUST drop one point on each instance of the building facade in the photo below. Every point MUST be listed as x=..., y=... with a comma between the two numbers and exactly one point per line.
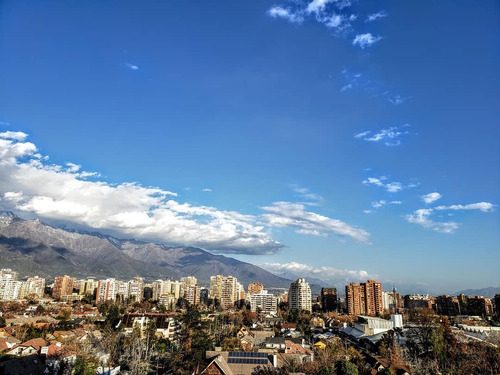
x=365, y=298
x=329, y=299
x=299, y=295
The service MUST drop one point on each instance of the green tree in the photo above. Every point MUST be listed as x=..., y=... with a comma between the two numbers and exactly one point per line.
x=192, y=342
x=344, y=367
x=85, y=365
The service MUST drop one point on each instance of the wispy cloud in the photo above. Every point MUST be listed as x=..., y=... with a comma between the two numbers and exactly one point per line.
x=365, y=40
x=131, y=66
x=207, y=190
x=361, y=81
x=390, y=137
x=286, y=13
x=305, y=193
x=397, y=99
x=294, y=215
x=327, y=12
x=431, y=197
x=391, y=187
x=422, y=216
x=481, y=206
x=62, y=193
x=376, y=16
x=382, y=203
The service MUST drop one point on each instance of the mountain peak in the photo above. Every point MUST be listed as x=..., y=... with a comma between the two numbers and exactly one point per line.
x=7, y=217
x=8, y=214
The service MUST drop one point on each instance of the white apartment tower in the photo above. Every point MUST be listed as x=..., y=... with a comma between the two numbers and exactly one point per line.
x=299, y=295
x=262, y=300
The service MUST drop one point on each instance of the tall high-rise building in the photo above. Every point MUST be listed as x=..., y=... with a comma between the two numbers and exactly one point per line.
x=329, y=299
x=225, y=289
x=106, y=290
x=365, y=298
x=299, y=295
x=192, y=294
x=8, y=274
x=216, y=287
x=33, y=286
x=136, y=289
x=10, y=289
x=88, y=286
x=63, y=286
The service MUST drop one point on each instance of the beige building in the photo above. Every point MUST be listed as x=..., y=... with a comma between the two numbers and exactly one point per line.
x=63, y=286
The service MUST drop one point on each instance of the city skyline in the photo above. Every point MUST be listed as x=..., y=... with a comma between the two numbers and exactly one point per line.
x=337, y=139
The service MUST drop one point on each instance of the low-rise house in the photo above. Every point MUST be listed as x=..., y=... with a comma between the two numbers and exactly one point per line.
x=166, y=324
x=7, y=343
x=235, y=363
x=29, y=347
x=279, y=344
x=246, y=338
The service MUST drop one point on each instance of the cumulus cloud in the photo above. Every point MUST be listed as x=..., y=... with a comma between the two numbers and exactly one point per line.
x=325, y=273
x=431, y=197
x=391, y=187
x=18, y=136
x=207, y=190
x=422, y=216
x=62, y=194
x=294, y=215
x=391, y=136
x=131, y=66
x=365, y=40
x=376, y=16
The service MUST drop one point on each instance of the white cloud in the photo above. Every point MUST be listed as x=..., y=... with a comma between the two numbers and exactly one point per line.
x=293, y=215
x=324, y=273
x=207, y=190
x=376, y=16
x=365, y=40
x=397, y=99
x=73, y=167
x=421, y=217
x=61, y=194
x=391, y=187
x=325, y=12
x=287, y=14
x=481, y=206
x=317, y=6
x=131, y=66
x=17, y=136
x=306, y=194
x=431, y=197
x=381, y=203
x=390, y=137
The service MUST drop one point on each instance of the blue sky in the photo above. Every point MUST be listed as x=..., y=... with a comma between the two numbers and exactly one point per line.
x=336, y=139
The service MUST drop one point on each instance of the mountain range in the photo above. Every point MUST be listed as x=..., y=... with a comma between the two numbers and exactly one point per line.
x=32, y=247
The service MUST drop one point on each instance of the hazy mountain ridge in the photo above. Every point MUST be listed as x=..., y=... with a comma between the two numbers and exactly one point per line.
x=488, y=292
x=33, y=247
